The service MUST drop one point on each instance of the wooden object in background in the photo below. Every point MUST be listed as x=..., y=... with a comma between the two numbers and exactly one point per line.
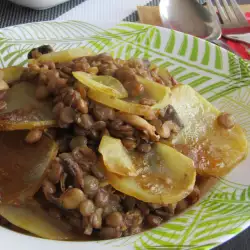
x=151, y=15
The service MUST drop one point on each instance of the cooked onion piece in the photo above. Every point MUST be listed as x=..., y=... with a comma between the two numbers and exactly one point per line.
x=163, y=176
x=63, y=56
x=24, y=111
x=116, y=157
x=112, y=83
x=105, y=84
x=160, y=93
x=124, y=106
x=23, y=166
x=33, y=219
x=165, y=76
x=215, y=149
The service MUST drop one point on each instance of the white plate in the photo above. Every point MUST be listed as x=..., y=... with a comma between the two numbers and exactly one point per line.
x=217, y=74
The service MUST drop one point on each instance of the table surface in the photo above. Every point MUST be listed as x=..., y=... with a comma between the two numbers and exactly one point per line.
x=11, y=14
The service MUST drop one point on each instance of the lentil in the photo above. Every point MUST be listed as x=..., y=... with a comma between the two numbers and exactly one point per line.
x=33, y=136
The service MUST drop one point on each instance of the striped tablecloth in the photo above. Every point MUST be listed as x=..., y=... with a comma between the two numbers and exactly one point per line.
x=103, y=10
x=115, y=10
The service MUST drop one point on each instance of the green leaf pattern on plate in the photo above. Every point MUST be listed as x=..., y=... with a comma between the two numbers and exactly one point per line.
x=217, y=74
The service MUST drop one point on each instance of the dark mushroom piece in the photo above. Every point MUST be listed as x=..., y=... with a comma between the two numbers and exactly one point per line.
x=170, y=114
x=73, y=168
x=44, y=49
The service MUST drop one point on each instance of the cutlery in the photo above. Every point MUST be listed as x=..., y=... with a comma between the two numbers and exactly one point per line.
x=230, y=14
x=190, y=17
x=193, y=18
x=233, y=21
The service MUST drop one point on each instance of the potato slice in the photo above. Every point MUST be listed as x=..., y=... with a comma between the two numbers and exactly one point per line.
x=23, y=165
x=118, y=162
x=12, y=74
x=163, y=176
x=24, y=111
x=105, y=84
x=64, y=56
x=32, y=218
x=3, y=85
x=215, y=150
x=124, y=106
x=160, y=93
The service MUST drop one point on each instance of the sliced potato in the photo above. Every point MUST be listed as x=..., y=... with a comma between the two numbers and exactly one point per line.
x=163, y=176
x=64, y=56
x=12, y=74
x=124, y=106
x=32, y=218
x=160, y=93
x=116, y=157
x=3, y=85
x=24, y=111
x=23, y=165
x=105, y=84
x=215, y=149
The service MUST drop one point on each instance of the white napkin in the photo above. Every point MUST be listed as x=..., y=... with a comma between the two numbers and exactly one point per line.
x=97, y=11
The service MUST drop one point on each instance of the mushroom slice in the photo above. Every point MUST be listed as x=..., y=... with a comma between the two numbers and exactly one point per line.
x=23, y=166
x=139, y=123
x=24, y=111
x=163, y=176
x=214, y=149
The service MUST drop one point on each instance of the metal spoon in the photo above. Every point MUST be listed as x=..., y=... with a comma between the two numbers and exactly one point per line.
x=193, y=18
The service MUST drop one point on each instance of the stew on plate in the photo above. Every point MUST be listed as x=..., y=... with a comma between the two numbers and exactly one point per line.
x=94, y=147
